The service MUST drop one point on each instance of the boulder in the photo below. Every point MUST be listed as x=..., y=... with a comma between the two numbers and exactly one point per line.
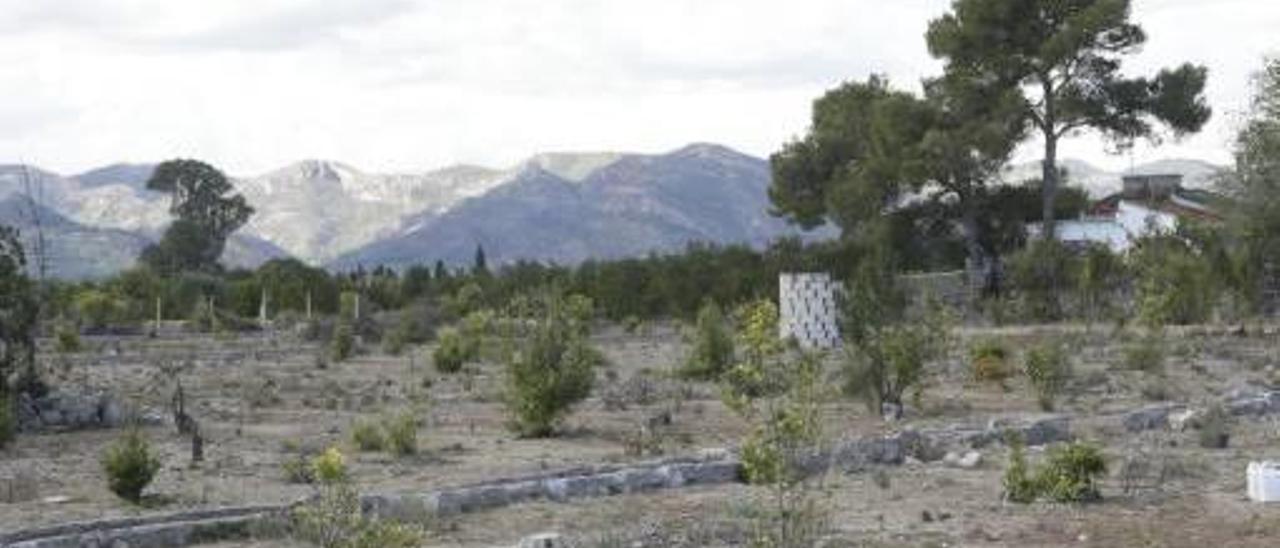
x=1185, y=419
x=542, y=540
x=1153, y=417
x=967, y=460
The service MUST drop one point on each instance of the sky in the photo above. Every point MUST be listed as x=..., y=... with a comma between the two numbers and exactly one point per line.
x=405, y=85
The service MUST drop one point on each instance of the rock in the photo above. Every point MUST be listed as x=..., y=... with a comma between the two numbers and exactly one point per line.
x=110, y=413
x=1154, y=417
x=714, y=453
x=967, y=460
x=1256, y=406
x=70, y=410
x=1185, y=419
x=1046, y=431
x=542, y=540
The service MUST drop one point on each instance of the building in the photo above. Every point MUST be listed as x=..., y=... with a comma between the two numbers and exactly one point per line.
x=1147, y=204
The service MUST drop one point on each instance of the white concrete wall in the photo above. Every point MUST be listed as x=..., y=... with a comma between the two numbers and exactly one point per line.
x=807, y=309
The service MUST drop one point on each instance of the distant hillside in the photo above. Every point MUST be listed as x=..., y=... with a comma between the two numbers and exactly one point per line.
x=74, y=251
x=631, y=205
x=558, y=206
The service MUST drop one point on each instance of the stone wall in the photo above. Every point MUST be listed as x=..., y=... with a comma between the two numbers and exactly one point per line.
x=715, y=468
x=807, y=309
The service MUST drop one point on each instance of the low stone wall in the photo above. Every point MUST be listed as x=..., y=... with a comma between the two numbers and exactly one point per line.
x=180, y=529
x=71, y=410
x=718, y=468
x=1178, y=416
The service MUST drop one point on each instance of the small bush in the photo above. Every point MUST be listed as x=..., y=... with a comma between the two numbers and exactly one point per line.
x=1039, y=274
x=130, y=466
x=402, y=434
x=397, y=340
x=67, y=338
x=343, y=345
x=1175, y=283
x=367, y=437
x=990, y=360
x=1069, y=474
x=1215, y=428
x=330, y=466
x=1019, y=486
x=297, y=469
x=450, y=353
x=554, y=371
x=1146, y=355
x=891, y=362
x=711, y=350
x=631, y=324
x=8, y=422
x=334, y=518
x=1048, y=369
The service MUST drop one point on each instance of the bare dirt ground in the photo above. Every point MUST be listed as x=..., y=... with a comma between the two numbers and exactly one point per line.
x=262, y=400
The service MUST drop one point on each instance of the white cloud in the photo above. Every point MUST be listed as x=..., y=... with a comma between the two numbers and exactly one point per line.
x=406, y=85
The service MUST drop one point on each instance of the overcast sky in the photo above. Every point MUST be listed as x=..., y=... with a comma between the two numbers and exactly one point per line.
x=401, y=85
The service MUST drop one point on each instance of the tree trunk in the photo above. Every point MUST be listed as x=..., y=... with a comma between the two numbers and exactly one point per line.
x=977, y=256
x=1050, y=184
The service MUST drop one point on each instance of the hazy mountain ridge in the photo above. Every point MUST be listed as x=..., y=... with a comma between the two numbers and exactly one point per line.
x=560, y=206
x=632, y=205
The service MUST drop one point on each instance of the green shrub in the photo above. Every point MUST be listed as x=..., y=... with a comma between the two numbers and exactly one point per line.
x=330, y=466
x=297, y=469
x=1040, y=274
x=711, y=351
x=334, y=519
x=1148, y=355
x=130, y=466
x=1019, y=486
x=989, y=360
x=8, y=422
x=1069, y=474
x=553, y=371
x=631, y=324
x=1215, y=428
x=781, y=397
x=1102, y=273
x=1175, y=283
x=99, y=309
x=450, y=353
x=367, y=437
x=399, y=337
x=67, y=338
x=1048, y=368
x=890, y=362
x=402, y=434
x=343, y=345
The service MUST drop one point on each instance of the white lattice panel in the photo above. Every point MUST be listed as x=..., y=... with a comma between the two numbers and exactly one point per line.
x=807, y=309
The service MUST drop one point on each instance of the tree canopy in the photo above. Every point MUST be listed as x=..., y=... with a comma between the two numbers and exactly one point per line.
x=207, y=212
x=18, y=309
x=1064, y=57
x=1255, y=182
x=872, y=151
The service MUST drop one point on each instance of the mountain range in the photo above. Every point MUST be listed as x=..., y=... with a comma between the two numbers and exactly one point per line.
x=563, y=207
